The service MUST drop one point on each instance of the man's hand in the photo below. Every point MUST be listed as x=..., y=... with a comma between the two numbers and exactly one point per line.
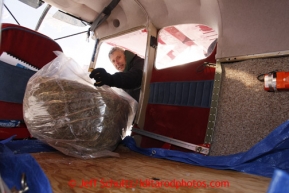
x=101, y=77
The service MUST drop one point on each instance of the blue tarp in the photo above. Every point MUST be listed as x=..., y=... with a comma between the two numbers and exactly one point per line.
x=12, y=165
x=262, y=159
x=279, y=182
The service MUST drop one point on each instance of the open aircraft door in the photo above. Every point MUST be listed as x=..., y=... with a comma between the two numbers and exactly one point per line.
x=180, y=110
x=178, y=81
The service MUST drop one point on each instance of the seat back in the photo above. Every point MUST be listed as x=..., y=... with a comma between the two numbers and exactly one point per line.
x=31, y=47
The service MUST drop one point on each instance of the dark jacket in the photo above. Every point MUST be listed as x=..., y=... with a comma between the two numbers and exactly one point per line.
x=130, y=79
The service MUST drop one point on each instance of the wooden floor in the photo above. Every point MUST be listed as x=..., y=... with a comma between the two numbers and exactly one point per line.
x=133, y=172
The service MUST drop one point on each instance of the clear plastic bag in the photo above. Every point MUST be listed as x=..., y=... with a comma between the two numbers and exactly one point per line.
x=63, y=108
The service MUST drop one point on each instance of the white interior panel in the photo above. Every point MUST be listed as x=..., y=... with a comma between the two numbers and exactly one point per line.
x=253, y=27
x=244, y=27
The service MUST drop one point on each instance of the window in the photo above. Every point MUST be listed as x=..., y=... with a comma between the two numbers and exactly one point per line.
x=181, y=44
x=134, y=41
x=76, y=47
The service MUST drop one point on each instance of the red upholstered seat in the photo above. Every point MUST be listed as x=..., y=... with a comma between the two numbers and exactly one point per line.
x=33, y=48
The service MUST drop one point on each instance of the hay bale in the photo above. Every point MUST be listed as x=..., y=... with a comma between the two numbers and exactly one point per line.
x=78, y=120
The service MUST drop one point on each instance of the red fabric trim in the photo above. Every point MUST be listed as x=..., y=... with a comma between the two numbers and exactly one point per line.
x=11, y=111
x=179, y=122
x=21, y=132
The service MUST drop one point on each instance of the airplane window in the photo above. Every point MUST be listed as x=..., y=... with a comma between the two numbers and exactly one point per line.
x=134, y=41
x=181, y=44
x=74, y=46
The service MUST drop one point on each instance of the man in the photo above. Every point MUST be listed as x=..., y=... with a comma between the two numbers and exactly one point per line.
x=129, y=77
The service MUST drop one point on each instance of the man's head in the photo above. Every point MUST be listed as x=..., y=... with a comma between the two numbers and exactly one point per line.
x=117, y=58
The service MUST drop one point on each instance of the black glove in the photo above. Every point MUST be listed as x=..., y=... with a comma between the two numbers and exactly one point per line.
x=101, y=77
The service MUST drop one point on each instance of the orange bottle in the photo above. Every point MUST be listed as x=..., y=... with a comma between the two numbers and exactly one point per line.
x=276, y=81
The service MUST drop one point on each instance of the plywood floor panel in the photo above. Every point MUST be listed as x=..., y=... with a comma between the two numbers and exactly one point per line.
x=133, y=172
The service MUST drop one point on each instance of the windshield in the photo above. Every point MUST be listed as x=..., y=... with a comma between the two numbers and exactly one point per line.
x=76, y=47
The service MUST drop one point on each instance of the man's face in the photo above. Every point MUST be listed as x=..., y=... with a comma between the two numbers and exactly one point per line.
x=118, y=60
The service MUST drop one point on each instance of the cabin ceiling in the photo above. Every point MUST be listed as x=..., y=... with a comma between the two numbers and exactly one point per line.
x=244, y=27
x=135, y=13
x=161, y=12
